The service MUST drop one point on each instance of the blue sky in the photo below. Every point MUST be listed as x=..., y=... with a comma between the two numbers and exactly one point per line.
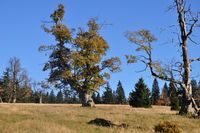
x=21, y=33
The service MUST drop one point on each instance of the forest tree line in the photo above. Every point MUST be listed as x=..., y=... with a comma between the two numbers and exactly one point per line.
x=77, y=62
x=17, y=86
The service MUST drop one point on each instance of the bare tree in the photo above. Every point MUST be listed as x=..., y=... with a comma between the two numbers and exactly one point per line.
x=15, y=68
x=24, y=89
x=40, y=88
x=18, y=83
x=179, y=72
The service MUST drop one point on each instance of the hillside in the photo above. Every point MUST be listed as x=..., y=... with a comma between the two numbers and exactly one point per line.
x=34, y=118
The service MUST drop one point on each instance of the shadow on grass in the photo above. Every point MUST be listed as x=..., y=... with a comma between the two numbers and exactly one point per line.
x=106, y=123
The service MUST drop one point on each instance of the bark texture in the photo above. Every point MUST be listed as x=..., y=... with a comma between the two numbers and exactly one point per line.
x=186, y=107
x=86, y=99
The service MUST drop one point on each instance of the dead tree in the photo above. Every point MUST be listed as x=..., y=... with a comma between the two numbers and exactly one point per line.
x=15, y=68
x=40, y=88
x=179, y=73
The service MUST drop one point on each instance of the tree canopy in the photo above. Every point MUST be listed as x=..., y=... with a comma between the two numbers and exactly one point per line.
x=78, y=61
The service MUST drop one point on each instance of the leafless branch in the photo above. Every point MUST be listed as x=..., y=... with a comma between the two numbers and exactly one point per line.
x=195, y=59
x=146, y=66
x=192, y=40
x=195, y=20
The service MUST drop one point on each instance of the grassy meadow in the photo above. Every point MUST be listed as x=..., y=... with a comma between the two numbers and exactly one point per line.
x=63, y=118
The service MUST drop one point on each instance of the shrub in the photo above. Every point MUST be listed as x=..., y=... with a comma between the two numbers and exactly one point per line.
x=167, y=127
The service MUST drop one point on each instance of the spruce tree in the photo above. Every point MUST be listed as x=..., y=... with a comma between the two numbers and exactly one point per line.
x=67, y=95
x=174, y=100
x=94, y=97
x=195, y=88
x=1, y=90
x=46, y=97
x=155, y=95
x=197, y=95
x=196, y=91
x=108, y=95
x=52, y=97
x=120, y=96
x=164, y=97
x=114, y=93
x=141, y=96
x=59, y=97
x=98, y=99
x=6, y=86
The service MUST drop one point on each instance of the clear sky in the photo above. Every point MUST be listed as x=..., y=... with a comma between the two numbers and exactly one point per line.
x=21, y=33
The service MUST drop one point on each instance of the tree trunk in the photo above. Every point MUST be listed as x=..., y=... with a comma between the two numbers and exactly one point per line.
x=86, y=99
x=9, y=100
x=14, y=99
x=14, y=95
x=40, y=99
x=186, y=107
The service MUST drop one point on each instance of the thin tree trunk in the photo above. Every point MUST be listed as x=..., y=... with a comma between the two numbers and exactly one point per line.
x=14, y=100
x=14, y=97
x=41, y=99
x=9, y=100
x=86, y=99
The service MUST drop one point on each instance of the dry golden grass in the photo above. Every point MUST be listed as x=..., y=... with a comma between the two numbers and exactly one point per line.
x=62, y=118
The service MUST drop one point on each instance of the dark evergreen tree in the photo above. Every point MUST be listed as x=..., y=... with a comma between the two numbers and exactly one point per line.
x=75, y=98
x=164, y=97
x=94, y=97
x=59, y=97
x=52, y=97
x=174, y=99
x=155, y=95
x=67, y=96
x=194, y=87
x=166, y=91
x=120, y=95
x=6, y=86
x=1, y=90
x=15, y=84
x=196, y=91
x=141, y=96
x=114, y=93
x=98, y=99
x=71, y=96
x=108, y=95
x=46, y=98
x=197, y=95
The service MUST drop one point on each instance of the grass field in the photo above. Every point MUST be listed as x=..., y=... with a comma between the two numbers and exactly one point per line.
x=62, y=118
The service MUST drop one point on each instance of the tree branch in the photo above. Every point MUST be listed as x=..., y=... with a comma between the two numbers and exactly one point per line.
x=195, y=20
x=195, y=59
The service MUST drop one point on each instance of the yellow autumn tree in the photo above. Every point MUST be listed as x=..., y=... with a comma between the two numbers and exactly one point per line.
x=77, y=62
